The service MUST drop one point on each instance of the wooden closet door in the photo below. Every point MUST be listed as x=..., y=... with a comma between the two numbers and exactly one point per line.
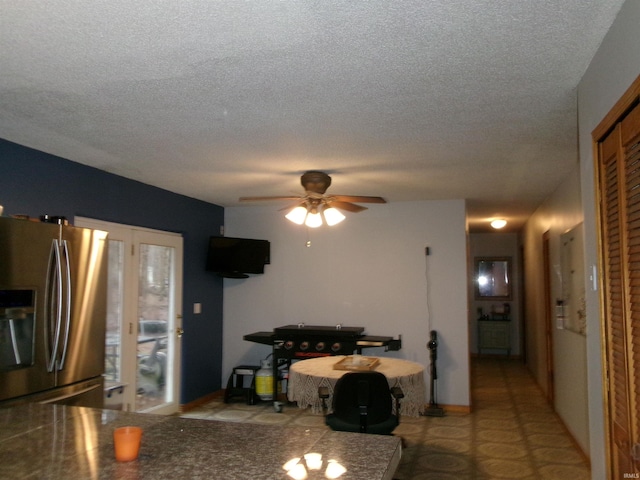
x=614, y=304
x=619, y=174
x=630, y=146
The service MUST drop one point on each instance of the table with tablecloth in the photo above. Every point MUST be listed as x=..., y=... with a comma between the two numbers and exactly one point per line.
x=306, y=376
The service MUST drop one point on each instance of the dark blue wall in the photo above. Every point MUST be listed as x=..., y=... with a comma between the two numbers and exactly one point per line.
x=35, y=183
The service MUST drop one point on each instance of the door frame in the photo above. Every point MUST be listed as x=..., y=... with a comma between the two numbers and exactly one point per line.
x=132, y=236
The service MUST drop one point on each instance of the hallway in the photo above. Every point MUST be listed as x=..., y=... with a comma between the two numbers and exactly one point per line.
x=511, y=434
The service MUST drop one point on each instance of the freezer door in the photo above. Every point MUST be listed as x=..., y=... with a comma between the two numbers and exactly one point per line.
x=88, y=393
x=25, y=247
x=82, y=339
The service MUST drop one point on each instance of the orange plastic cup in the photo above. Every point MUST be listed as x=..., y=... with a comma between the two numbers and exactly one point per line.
x=126, y=442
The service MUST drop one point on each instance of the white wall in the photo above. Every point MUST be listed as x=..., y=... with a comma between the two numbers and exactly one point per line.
x=561, y=212
x=369, y=271
x=612, y=70
x=495, y=245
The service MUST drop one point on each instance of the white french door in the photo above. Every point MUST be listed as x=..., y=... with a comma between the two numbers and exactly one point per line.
x=144, y=321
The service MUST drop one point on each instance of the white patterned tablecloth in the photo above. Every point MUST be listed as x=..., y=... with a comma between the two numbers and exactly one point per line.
x=305, y=376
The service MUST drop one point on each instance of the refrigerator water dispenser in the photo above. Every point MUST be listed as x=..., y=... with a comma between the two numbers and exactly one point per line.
x=17, y=321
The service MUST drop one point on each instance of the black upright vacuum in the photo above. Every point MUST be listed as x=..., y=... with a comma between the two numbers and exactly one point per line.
x=433, y=410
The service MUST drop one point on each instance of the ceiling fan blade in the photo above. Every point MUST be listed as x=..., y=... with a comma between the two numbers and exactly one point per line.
x=260, y=199
x=291, y=206
x=349, y=207
x=359, y=199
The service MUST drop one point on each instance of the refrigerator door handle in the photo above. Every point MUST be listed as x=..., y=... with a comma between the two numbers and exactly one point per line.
x=53, y=305
x=67, y=313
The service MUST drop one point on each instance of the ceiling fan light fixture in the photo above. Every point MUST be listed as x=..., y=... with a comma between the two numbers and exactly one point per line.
x=498, y=223
x=297, y=215
x=314, y=220
x=332, y=216
x=314, y=208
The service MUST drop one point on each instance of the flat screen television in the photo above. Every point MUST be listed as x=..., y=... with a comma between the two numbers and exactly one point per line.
x=237, y=257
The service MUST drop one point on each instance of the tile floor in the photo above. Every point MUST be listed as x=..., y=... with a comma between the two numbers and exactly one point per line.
x=511, y=434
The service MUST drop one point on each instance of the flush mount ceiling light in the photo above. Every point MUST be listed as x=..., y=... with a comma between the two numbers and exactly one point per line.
x=315, y=208
x=498, y=223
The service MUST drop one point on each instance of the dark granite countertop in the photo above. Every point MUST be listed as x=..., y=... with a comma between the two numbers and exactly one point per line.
x=59, y=442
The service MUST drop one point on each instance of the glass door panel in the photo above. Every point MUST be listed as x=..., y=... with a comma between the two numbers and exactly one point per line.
x=158, y=259
x=155, y=307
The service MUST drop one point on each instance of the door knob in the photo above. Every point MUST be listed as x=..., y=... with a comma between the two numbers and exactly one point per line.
x=180, y=332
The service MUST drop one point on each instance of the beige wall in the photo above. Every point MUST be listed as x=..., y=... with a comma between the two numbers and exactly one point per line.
x=578, y=360
x=561, y=212
x=614, y=67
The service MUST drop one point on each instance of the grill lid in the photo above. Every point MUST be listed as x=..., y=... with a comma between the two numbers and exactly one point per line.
x=333, y=331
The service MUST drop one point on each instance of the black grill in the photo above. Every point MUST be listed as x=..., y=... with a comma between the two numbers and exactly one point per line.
x=302, y=341
x=299, y=342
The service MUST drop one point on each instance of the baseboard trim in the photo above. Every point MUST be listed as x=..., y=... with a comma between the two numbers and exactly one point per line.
x=200, y=401
x=460, y=409
x=498, y=356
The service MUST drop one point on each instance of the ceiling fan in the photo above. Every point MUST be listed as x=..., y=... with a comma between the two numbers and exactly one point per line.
x=314, y=204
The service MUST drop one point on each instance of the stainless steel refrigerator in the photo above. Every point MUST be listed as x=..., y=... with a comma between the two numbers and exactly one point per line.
x=53, y=281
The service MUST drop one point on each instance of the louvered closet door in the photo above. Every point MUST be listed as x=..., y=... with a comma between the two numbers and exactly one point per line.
x=614, y=301
x=619, y=173
x=630, y=139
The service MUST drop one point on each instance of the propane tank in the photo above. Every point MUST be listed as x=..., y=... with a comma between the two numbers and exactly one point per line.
x=264, y=381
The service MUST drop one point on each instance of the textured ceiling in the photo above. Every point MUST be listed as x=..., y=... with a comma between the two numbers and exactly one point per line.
x=409, y=100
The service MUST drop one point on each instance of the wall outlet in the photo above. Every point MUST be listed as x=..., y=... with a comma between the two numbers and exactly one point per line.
x=197, y=308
